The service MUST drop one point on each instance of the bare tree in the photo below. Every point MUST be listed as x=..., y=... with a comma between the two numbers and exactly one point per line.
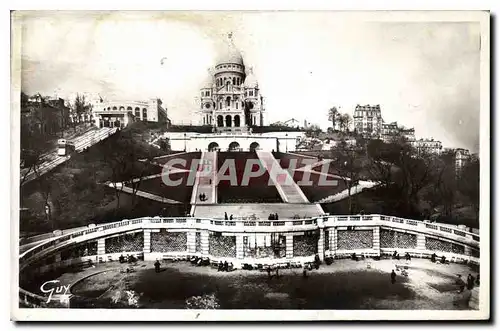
x=122, y=159
x=349, y=161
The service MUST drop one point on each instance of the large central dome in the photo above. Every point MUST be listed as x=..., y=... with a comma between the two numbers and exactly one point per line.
x=228, y=53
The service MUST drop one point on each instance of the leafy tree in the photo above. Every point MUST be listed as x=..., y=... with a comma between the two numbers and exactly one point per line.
x=80, y=106
x=313, y=131
x=345, y=122
x=468, y=183
x=333, y=113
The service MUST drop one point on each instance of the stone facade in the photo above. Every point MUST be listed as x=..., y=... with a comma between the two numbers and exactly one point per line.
x=230, y=97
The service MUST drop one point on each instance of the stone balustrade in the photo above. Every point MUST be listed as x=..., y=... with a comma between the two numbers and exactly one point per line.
x=285, y=240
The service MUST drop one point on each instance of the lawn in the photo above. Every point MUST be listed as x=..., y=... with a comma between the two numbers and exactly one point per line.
x=258, y=188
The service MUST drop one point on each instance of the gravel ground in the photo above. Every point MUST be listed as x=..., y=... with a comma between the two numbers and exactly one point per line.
x=345, y=284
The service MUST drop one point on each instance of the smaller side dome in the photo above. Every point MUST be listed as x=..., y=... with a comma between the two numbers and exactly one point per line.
x=208, y=81
x=251, y=80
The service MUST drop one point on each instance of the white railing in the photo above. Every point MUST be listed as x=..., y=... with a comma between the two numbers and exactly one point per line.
x=235, y=225
x=207, y=223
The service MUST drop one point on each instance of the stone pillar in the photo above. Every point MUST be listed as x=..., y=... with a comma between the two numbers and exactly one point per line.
x=204, y=243
x=321, y=244
x=146, y=248
x=467, y=250
x=333, y=241
x=191, y=242
x=289, y=246
x=376, y=240
x=101, y=246
x=239, y=246
x=421, y=241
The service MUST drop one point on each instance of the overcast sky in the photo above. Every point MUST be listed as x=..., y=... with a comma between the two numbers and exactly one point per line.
x=423, y=74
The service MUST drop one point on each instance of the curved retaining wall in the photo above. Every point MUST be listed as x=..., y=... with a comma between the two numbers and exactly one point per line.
x=248, y=241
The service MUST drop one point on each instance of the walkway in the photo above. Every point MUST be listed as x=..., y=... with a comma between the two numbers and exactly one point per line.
x=258, y=210
x=206, y=179
x=169, y=170
x=147, y=195
x=356, y=189
x=311, y=166
x=289, y=191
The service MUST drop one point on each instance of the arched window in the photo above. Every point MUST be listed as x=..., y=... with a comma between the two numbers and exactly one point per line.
x=228, y=121
x=129, y=108
x=228, y=101
x=227, y=85
x=122, y=108
x=137, y=112
x=237, y=121
x=114, y=108
x=220, y=121
x=234, y=80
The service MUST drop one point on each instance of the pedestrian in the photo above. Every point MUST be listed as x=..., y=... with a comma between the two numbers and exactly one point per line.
x=157, y=266
x=268, y=272
x=225, y=216
x=226, y=266
x=304, y=272
x=231, y=217
x=433, y=257
x=470, y=282
x=393, y=277
x=276, y=216
x=277, y=271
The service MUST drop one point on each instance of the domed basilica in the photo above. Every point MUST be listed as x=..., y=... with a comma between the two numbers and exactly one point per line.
x=230, y=97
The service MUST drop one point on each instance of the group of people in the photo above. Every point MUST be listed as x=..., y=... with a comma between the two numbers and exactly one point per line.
x=228, y=218
x=128, y=258
x=203, y=197
x=273, y=217
x=276, y=269
x=225, y=266
x=395, y=256
x=434, y=257
x=471, y=280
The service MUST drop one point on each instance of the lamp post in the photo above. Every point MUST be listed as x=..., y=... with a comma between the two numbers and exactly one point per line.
x=286, y=141
x=47, y=212
x=184, y=141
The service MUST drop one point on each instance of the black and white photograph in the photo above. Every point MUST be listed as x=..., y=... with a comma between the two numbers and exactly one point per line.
x=250, y=165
